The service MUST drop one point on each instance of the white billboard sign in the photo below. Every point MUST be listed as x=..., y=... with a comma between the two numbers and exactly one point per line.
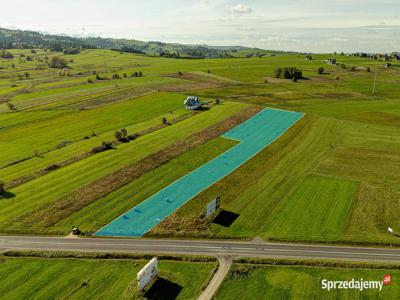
x=147, y=273
x=213, y=206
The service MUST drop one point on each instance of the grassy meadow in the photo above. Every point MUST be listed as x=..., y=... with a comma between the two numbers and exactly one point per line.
x=61, y=278
x=300, y=282
x=333, y=177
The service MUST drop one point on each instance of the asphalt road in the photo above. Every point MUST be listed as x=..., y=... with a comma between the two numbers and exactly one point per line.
x=201, y=247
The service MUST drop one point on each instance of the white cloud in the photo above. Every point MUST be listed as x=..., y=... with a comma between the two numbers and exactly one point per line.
x=338, y=39
x=240, y=9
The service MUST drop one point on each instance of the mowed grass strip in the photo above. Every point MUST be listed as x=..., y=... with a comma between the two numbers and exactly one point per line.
x=75, y=126
x=138, y=129
x=259, y=191
x=59, y=183
x=41, y=278
x=254, y=190
x=82, y=147
x=51, y=214
x=319, y=207
x=109, y=207
x=297, y=282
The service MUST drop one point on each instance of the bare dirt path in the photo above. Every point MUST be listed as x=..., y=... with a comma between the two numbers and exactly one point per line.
x=225, y=263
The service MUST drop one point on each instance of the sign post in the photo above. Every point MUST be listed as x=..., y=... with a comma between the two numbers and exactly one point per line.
x=213, y=206
x=147, y=273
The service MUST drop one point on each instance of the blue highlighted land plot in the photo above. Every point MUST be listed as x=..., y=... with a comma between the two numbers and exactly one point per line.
x=254, y=135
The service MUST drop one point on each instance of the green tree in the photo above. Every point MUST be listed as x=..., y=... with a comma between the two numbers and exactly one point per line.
x=58, y=62
x=2, y=187
x=118, y=135
x=6, y=54
x=278, y=73
x=11, y=106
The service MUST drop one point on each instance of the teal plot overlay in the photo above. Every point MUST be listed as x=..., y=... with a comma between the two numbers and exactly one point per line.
x=254, y=135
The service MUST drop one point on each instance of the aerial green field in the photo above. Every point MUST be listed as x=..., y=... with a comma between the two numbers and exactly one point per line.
x=333, y=177
x=60, y=278
x=299, y=282
x=111, y=206
x=47, y=188
x=319, y=207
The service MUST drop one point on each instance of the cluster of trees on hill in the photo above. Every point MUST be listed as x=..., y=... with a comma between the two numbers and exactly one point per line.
x=58, y=62
x=72, y=51
x=128, y=49
x=10, y=39
x=288, y=73
x=121, y=136
x=24, y=39
x=6, y=54
x=379, y=56
x=117, y=76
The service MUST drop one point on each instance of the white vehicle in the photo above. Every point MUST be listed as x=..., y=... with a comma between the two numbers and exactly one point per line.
x=192, y=102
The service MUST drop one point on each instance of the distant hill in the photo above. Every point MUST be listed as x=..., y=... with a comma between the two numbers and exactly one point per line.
x=31, y=39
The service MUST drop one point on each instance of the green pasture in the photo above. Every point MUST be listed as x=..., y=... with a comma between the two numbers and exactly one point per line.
x=106, y=209
x=333, y=177
x=318, y=207
x=298, y=282
x=324, y=180
x=54, y=278
x=45, y=189
x=45, y=135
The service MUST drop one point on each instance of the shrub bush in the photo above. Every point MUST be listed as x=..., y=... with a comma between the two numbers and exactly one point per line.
x=288, y=73
x=2, y=187
x=58, y=62
x=134, y=136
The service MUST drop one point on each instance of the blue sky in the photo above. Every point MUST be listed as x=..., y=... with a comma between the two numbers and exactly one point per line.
x=299, y=25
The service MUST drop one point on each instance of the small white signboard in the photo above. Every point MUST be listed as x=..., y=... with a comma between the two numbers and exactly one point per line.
x=213, y=206
x=147, y=273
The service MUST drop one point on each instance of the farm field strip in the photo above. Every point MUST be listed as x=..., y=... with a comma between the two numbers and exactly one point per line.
x=49, y=187
x=338, y=152
x=318, y=207
x=254, y=198
x=56, y=97
x=254, y=135
x=348, y=137
x=100, y=212
x=79, y=148
x=271, y=282
x=57, y=278
x=46, y=135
